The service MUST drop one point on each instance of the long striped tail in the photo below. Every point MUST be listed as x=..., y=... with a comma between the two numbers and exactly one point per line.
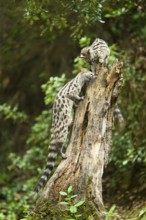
x=118, y=114
x=53, y=152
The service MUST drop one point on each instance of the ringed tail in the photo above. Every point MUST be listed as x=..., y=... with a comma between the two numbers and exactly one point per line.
x=118, y=113
x=53, y=152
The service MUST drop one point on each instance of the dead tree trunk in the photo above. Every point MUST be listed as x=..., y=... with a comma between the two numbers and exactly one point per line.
x=89, y=145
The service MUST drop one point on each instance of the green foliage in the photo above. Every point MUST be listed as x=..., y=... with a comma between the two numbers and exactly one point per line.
x=14, y=195
x=111, y=213
x=142, y=213
x=69, y=203
x=49, y=19
x=75, y=15
x=36, y=11
x=39, y=130
x=79, y=64
x=8, y=112
x=84, y=41
x=116, y=9
x=115, y=53
x=52, y=87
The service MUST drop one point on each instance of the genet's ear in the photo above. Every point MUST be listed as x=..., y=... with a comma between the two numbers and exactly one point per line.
x=88, y=50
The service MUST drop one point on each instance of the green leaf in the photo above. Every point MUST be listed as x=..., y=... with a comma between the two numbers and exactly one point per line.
x=112, y=209
x=2, y=216
x=36, y=18
x=67, y=199
x=71, y=219
x=63, y=193
x=74, y=196
x=79, y=203
x=73, y=209
x=64, y=203
x=143, y=211
x=84, y=41
x=78, y=216
x=69, y=190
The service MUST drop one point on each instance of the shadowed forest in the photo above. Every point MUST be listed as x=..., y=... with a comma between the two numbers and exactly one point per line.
x=40, y=44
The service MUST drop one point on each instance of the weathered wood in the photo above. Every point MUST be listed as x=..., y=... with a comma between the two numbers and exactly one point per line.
x=89, y=145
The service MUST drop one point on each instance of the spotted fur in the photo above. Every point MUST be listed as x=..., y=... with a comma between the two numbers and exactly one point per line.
x=97, y=52
x=62, y=119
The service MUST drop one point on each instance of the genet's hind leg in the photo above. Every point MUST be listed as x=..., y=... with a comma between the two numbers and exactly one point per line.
x=63, y=155
x=62, y=138
x=60, y=147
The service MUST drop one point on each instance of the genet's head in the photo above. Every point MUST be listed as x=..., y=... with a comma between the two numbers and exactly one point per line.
x=85, y=54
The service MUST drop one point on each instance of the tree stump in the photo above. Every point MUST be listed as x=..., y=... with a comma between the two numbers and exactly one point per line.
x=89, y=146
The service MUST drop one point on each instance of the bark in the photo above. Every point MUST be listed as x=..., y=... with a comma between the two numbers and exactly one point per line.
x=89, y=146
